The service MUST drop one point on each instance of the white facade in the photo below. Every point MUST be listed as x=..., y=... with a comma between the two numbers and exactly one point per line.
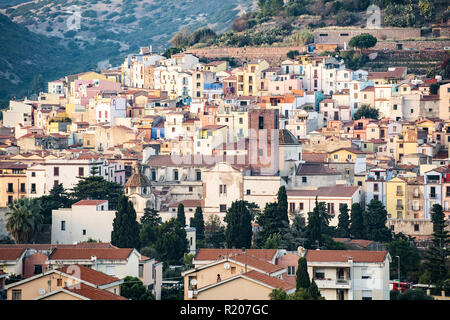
x=108, y=112
x=82, y=222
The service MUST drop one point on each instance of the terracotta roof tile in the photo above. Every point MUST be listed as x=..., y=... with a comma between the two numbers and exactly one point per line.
x=256, y=263
x=268, y=280
x=89, y=202
x=216, y=254
x=89, y=275
x=93, y=293
x=333, y=191
x=11, y=254
x=86, y=254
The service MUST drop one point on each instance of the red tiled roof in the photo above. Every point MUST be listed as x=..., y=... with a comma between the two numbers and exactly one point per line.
x=360, y=242
x=11, y=254
x=86, y=245
x=215, y=254
x=314, y=157
x=343, y=255
x=268, y=280
x=256, y=263
x=86, y=254
x=89, y=275
x=187, y=203
x=93, y=293
x=89, y=202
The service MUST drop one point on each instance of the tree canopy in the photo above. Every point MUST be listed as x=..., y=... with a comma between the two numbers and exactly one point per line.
x=239, y=232
x=363, y=41
x=365, y=111
x=132, y=288
x=125, y=233
x=97, y=188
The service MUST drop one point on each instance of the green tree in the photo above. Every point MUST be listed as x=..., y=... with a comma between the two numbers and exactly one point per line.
x=125, y=233
x=199, y=225
x=171, y=243
x=278, y=294
x=302, y=276
x=376, y=217
x=57, y=198
x=151, y=217
x=133, y=289
x=24, y=219
x=294, y=236
x=343, y=227
x=317, y=227
x=365, y=111
x=273, y=241
x=302, y=37
x=214, y=232
x=238, y=232
x=409, y=259
x=181, y=217
x=97, y=188
x=180, y=39
x=363, y=41
x=357, y=222
x=413, y=294
x=313, y=291
x=437, y=254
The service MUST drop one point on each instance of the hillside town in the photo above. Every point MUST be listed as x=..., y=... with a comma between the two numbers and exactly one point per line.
x=199, y=180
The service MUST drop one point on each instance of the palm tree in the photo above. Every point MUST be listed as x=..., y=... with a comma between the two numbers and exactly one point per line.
x=24, y=219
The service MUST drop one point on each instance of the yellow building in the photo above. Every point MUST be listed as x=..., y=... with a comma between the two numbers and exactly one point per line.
x=344, y=155
x=13, y=181
x=249, y=79
x=216, y=66
x=396, y=198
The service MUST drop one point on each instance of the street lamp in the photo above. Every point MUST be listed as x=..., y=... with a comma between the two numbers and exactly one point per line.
x=398, y=269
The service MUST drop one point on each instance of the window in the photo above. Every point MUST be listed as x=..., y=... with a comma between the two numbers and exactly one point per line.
x=17, y=294
x=416, y=227
x=56, y=171
x=223, y=189
x=190, y=189
x=37, y=268
x=301, y=206
x=10, y=199
x=22, y=187
x=55, y=183
x=360, y=183
x=223, y=208
x=392, y=228
x=365, y=274
x=248, y=191
x=33, y=188
x=291, y=270
x=241, y=120
x=199, y=175
x=320, y=275
x=59, y=282
x=175, y=175
x=63, y=225
x=291, y=207
x=84, y=231
x=10, y=187
x=141, y=270
x=81, y=172
x=154, y=175
x=261, y=123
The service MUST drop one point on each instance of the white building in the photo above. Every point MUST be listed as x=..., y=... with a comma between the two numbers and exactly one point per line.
x=87, y=219
x=350, y=274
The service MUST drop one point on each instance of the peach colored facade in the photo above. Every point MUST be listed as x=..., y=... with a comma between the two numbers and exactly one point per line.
x=241, y=289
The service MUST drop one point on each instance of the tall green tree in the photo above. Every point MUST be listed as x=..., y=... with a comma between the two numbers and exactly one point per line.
x=238, y=232
x=317, y=228
x=133, y=289
x=294, y=236
x=409, y=259
x=357, y=222
x=302, y=276
x=171, y=243
x=199, y=224
x=437, y=254
x=151, y=217
x=125, y=233
x=343, y=227
x=58, y=198
x=24, y=219
x=214, y=232
x=273, y=242
x=313, y=291
x=97, y=188
x=282, y=205
x=376, y=217
x=181, y=217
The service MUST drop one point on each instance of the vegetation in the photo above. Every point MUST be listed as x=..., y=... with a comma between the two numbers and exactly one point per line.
x=199, y=225
x=238, y=232
x=365, y=111
x=409, y=259
x=363, y=41
x=97, y=188
x=133, y=289
x=24, y=219
x=171, y=243
x=125, y=233
x=214, y=232
x=181, y=217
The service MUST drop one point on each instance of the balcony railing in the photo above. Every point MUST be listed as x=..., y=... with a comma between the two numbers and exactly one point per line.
x=399, y=207
x=399, y=193
x=332, y=283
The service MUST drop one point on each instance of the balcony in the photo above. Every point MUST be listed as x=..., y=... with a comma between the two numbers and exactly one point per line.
x=399, y=193
x=333, y=283
x=399, y=207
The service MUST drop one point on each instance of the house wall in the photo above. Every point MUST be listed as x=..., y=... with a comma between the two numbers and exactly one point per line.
x=240, y=289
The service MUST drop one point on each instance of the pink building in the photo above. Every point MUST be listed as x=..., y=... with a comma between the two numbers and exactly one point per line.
x=284, y=84
x=88, y=89
x=290, y=262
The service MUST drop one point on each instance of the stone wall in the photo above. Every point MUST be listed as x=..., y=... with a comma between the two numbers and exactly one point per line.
x=273, y=55
x=417, y=45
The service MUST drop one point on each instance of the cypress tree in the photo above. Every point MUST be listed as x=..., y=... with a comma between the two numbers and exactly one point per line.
x=199, y=224
x=438, y=252
x=302, y=274
x=181, y=217
x=313, y=291
x=238, y=232
x=344, y=221
x=282, y=205
x=375, y=223
x=357, y=222
x=125, y=233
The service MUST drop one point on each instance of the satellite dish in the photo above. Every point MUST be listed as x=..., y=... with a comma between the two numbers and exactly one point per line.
x=193, y=282
x=41, y=291
x=226, y=266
